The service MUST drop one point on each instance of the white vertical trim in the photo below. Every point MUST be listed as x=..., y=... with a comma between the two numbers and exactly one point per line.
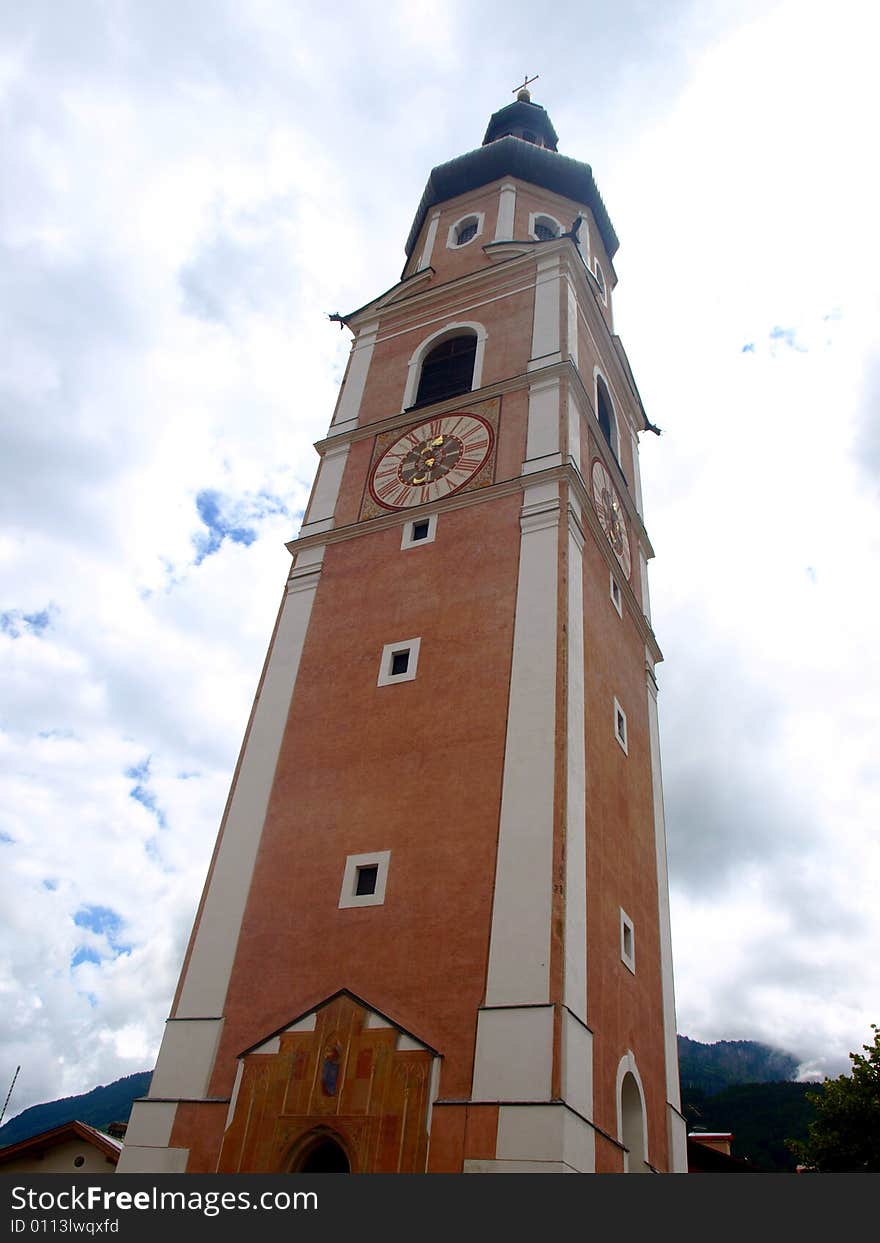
x=575, y=979
x=513, y=1057
x=670, y=1046
x=574, y=429
x=572, y=328
x=348, y=406
x=322, y=505
x=637, y=473
x=643, y=578
x=519, y=948
x=584, y=235
x=506, y=210
x=430, y=239
x=542, y=436
x=207, y=974
x=546, y=325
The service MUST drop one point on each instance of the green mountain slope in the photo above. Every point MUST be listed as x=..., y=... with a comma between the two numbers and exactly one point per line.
x=711, y=1067
x=109, y=1103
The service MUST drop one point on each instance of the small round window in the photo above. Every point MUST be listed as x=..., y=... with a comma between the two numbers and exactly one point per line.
x=466, y=231
x=79, y=1162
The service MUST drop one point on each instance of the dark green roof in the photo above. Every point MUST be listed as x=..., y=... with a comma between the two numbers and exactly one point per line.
x=522, y=115
x=514, y=157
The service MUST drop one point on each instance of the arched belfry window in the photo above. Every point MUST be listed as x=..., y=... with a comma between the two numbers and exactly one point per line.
x=448, y=369
x=446, y=363
x=605, y=414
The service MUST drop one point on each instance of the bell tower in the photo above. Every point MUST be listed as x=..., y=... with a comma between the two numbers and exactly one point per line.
x=435, y=930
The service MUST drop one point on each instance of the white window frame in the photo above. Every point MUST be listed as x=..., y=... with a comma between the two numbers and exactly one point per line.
x=616, y=594
x=536, y=216
x=353, y=864
x=389, y=651
x=407, y=540
x=452, y=243
x=620, y=735
x=423, y=349
x=626, y=925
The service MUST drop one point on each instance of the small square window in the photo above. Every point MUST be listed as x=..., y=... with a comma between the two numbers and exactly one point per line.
x=616, y=598
x=419, y=531
x=620, y=726
x=399, y=662
x=366, y=880
x=627, y=941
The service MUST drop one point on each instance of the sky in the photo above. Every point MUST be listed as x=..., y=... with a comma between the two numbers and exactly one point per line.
x=189, y=189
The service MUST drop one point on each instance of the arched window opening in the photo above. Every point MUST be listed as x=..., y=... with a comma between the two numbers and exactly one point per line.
x=448, y=369
x=632, y=1116
x=325, y=1156
x=605, y=414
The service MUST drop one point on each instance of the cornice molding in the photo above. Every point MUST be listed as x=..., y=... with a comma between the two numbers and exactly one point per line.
x=565, y=474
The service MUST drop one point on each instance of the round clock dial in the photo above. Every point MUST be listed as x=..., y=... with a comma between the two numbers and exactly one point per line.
x=431, y=460
x=610, y=510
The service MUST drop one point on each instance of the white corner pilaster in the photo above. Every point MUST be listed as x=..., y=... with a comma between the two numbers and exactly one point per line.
x=519, y=949
x=430, y=239
x=637, y=473
x=216, y=933
x=676, y=1127
x=572, y=324
x=575, y=941
x=643, y=579
x=546, y=346
x=506, y=210
x=542, y=437
x=348, y=406
x=322, y=504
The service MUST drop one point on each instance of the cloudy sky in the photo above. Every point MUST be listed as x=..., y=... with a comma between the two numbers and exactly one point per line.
x=188, y=188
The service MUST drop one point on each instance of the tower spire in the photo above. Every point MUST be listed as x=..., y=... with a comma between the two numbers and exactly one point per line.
x=522, y=92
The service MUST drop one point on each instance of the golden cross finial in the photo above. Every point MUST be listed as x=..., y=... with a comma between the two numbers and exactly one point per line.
x=525, y=84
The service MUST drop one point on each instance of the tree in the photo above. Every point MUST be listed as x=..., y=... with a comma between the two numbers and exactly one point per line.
x=845, y=1136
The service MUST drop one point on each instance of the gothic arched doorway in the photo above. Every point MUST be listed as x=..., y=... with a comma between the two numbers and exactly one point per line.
x=323, y=1155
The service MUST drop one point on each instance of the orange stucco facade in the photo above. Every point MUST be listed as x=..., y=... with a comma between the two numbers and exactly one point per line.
x=498, y=789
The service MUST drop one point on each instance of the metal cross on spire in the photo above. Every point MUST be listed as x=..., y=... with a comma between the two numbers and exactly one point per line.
x=525, y=84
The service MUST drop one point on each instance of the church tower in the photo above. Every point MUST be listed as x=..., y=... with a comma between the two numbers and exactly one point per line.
x=435, y=931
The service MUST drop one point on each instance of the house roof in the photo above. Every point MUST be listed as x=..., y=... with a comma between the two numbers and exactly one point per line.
x=109, y=1147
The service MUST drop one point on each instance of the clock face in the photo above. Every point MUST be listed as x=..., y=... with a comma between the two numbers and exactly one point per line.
x=610, y=511
x=431, y=460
